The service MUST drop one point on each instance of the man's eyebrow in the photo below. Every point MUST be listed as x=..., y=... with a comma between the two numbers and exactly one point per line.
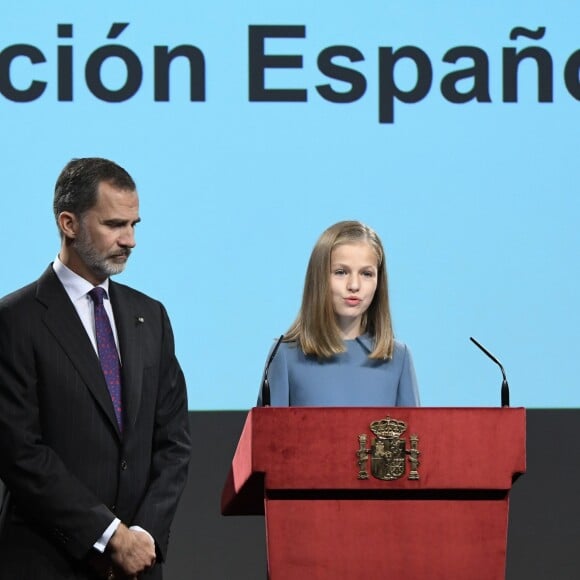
x=120, y=222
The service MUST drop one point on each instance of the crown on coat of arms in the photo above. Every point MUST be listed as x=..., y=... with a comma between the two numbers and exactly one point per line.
x=388, y=428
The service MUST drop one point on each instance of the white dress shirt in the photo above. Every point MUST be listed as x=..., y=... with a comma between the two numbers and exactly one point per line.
x=78, y=290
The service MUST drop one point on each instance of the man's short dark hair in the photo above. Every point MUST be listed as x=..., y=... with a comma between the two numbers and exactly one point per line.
x=78, y=183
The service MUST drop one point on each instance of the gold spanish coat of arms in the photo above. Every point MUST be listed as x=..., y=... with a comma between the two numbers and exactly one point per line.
x=388, y=452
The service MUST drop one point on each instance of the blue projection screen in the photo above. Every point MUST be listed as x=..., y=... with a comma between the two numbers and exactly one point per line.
x=453, y=129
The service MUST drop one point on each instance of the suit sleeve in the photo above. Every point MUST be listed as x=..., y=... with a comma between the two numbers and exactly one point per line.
x=171, y=447
x=40, y=484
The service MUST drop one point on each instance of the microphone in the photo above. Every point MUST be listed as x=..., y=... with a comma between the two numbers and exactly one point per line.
x=505, y=390
x=266, y=384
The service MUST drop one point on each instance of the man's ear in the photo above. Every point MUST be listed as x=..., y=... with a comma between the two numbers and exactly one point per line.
x=68, y=224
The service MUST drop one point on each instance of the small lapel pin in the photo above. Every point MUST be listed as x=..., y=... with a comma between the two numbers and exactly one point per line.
x=140, y=320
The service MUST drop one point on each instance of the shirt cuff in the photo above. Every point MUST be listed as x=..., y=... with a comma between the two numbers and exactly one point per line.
x=102, y=542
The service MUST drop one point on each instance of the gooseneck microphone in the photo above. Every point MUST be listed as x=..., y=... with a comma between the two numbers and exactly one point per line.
x=266, y=384
x=505, y=390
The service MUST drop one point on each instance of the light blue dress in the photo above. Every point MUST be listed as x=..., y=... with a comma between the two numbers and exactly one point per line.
x=348, y=379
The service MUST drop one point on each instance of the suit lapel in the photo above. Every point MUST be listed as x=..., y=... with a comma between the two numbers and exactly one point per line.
x=130, y=326
x=63, y=322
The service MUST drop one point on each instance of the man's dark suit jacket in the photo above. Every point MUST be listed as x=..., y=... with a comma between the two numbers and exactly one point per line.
x=67, y=467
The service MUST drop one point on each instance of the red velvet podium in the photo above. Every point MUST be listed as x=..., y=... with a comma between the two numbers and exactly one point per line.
x=301, y=467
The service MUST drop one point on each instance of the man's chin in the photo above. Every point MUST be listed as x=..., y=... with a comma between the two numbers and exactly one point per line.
x=116, y=269
x=111, y=268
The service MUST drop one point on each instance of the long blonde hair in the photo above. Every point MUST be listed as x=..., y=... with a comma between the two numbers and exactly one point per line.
x=315, y=328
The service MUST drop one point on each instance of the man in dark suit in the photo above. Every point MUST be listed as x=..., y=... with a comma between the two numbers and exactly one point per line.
x=94, y=441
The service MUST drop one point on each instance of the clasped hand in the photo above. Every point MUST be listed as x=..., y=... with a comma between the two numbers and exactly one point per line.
x=131, y=551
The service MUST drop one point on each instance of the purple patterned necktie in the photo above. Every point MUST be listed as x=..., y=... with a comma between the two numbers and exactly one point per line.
x=108, y=354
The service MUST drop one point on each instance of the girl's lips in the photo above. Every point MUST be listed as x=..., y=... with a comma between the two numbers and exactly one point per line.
x=352, y=301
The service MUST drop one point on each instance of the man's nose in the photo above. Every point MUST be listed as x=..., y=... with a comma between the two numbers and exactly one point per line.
x=127, y=239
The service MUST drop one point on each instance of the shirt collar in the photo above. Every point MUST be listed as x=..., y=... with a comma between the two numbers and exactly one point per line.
x=76, y=286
